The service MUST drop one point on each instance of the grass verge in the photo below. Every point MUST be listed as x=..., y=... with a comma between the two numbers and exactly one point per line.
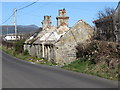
x=11, y=51
x=99, y=69
x=83, y=66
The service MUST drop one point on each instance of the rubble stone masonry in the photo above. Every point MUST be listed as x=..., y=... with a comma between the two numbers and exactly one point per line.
x=65, y=48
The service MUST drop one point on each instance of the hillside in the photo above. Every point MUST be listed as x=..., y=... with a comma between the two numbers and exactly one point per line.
x=21, y=29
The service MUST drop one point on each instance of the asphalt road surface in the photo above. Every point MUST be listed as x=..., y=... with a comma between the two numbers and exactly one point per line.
x=21, y=74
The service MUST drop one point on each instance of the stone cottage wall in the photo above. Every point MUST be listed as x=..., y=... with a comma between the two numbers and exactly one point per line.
x=65, y=50
x=117, y=23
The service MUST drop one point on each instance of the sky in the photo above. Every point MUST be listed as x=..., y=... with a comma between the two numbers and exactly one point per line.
x=35, y=13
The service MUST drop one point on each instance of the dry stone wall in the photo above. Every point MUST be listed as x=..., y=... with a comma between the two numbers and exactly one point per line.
x=65, y=50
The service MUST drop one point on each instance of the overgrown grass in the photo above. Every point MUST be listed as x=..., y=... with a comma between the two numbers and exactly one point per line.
x=87, y=67
x=78, y=66
x=84, y=66
x=26, y=57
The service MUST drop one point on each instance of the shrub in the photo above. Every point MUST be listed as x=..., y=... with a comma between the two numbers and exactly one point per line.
x=87, y=52
x=26, y=52
x=97, y=51
x=19, y=46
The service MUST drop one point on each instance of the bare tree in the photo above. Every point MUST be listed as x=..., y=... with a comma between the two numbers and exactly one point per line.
x=104, y=25
x=106, y=12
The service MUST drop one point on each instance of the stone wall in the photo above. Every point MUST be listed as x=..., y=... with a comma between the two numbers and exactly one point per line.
x=117, y=23
x=105, y=29
x=65, y=50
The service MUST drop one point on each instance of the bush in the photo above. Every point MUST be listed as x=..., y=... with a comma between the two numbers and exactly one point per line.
x=97, y=51
x=26, y=52
x=86, y=52
x=19, y=46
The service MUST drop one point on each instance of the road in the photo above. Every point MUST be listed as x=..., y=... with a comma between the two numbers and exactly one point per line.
x=17, y=73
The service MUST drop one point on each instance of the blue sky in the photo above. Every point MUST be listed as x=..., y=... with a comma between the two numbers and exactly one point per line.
x=34, y=14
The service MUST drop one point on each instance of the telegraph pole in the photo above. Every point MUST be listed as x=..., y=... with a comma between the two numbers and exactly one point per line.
x=15, y=11
x=7, y=29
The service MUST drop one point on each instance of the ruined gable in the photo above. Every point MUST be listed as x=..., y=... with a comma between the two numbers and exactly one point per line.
x=65, y=48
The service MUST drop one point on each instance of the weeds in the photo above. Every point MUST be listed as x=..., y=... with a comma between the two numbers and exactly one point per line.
x=100, y=69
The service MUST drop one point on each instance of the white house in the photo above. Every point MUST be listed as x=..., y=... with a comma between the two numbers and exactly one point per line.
x=12, y=37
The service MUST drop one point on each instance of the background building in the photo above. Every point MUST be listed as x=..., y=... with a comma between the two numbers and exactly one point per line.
x=108, y=28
